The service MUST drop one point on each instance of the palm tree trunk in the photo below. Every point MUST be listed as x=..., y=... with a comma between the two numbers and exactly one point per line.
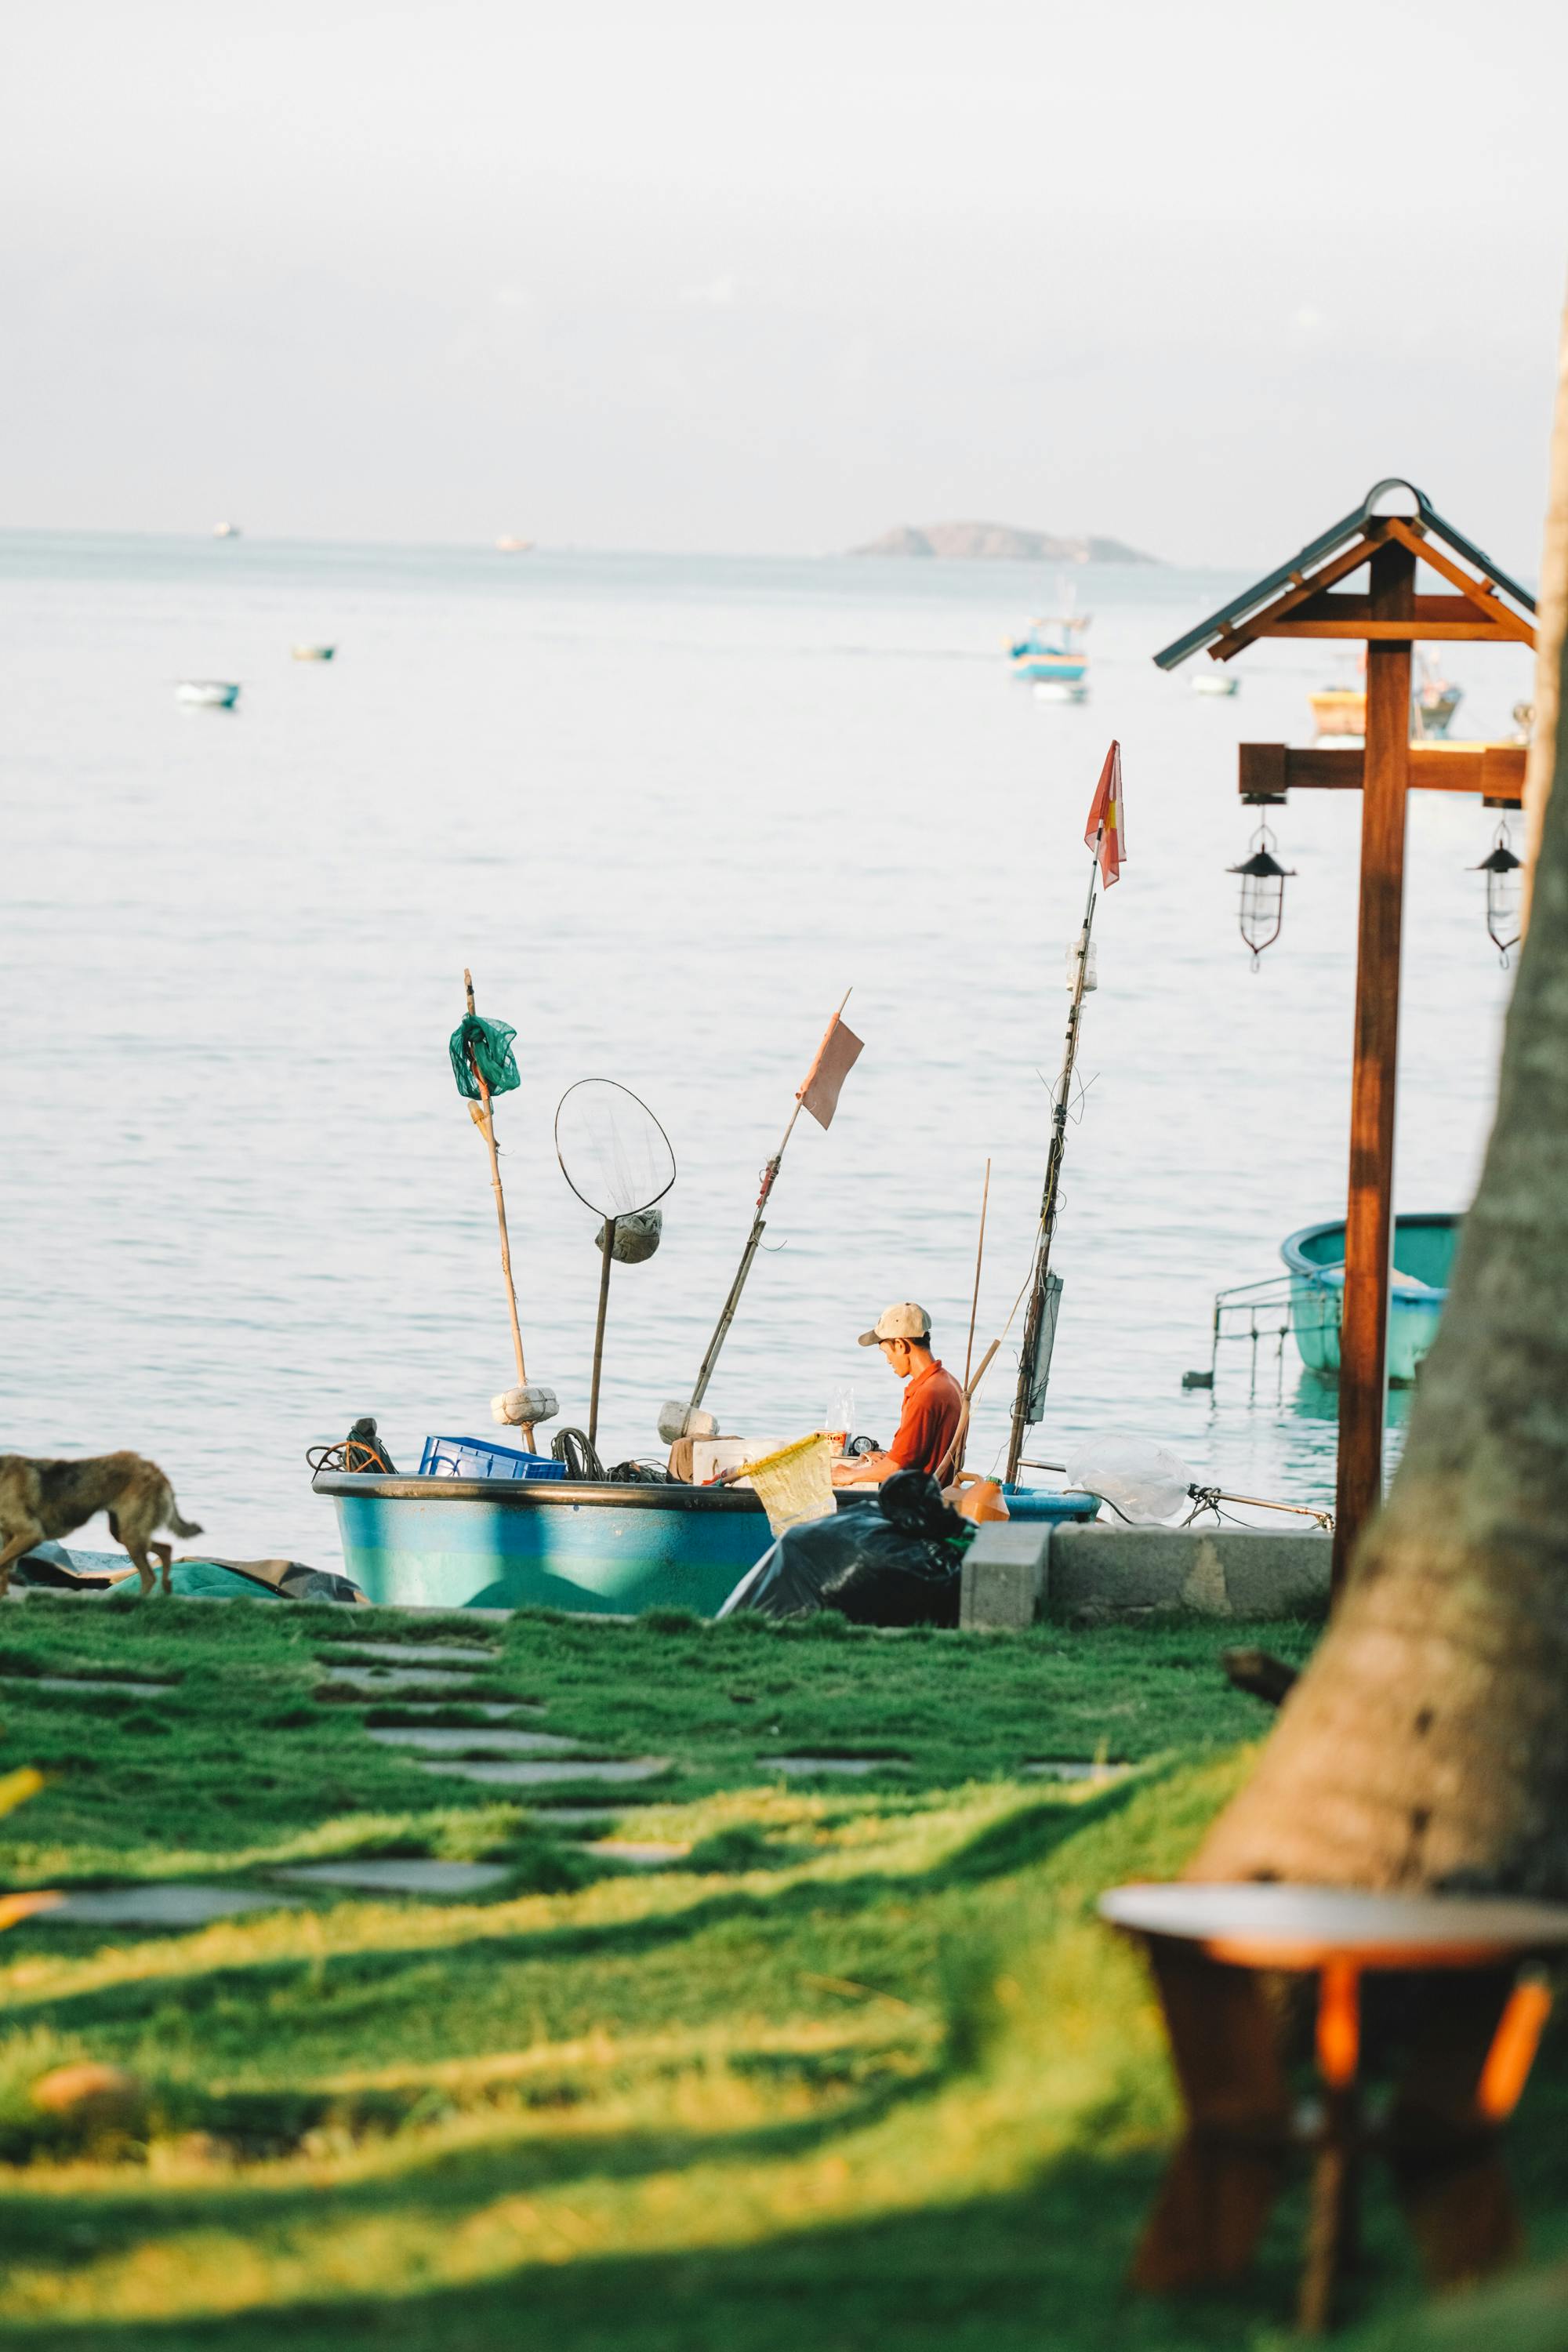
x=1550, y=629
x=1427, y=1744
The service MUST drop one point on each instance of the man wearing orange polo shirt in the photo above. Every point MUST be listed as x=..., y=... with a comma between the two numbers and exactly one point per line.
x=933, y=1400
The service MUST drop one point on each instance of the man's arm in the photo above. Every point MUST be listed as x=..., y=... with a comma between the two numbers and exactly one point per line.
x=865, y=1469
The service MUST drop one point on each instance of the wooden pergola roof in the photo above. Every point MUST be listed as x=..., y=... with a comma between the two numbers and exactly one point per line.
x=1292, y=601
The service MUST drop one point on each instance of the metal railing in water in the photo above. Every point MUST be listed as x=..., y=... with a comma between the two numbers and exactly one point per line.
x=1253, y=1314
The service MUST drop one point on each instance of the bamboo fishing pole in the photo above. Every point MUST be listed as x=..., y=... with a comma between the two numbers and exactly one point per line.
x=1039, y=1279
x=953, y=1460
x=608, y=1243
x=973, y=1311
x=759, y=1221
x=485, y=1124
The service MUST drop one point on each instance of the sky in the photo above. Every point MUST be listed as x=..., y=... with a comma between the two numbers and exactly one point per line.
x=753, y=277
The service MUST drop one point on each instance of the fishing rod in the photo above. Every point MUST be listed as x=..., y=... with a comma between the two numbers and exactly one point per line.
x=836, y=1055
x=1039, y=1287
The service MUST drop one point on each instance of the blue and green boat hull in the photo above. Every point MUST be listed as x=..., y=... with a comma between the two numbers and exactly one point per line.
x=595, y=1549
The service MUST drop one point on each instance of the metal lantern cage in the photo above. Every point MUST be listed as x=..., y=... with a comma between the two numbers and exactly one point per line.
x=1505, y=893
x=1263, y=880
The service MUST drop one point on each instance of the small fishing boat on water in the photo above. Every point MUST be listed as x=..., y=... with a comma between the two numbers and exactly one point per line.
x=226, y=531
x=1305, y=1303
x=312, y=652
x=1218, y=683
x=1433, y=701
x=1340, y=710
x=1050, y=656
x=208, y=693
x=1314, y=1256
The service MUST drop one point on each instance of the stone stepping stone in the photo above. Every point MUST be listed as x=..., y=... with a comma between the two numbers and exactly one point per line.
x=23, y=1683
x=175, y=1904
x=449, y=1738
x=493, y=1710
x=576, y=1816
x=1066, y=1770
x=642, y=1855
x=828, y=1763
x=581, y=1768
x=410, y=1653
x=372, y=1686
x=411, y=1877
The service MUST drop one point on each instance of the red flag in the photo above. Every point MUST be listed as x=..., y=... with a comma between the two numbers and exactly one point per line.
x=1107, y=831
x=835, y=1057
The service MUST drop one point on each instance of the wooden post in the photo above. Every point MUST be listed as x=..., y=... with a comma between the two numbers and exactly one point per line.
x=1369, y=1212
x=609, y=1245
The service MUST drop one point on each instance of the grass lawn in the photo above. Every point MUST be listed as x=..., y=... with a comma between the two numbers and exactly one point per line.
x=855, y=2068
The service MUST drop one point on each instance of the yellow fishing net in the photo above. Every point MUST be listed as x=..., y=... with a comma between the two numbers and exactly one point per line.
x=796, y=1483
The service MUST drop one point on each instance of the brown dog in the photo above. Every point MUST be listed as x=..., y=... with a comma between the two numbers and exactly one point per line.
x=40, y=1499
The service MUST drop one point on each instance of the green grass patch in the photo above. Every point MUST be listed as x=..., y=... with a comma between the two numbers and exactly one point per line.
x=861, y=2069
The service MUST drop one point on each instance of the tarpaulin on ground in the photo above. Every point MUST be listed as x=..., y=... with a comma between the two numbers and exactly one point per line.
x=55, y=1566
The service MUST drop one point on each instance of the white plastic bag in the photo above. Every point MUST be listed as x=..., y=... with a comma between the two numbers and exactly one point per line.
x=1144, y=1482
x=1092, y=970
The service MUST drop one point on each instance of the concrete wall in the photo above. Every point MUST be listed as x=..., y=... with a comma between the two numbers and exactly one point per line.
x=1015, y=1574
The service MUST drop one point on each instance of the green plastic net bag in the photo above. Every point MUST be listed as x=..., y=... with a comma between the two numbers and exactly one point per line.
x=490, y=1044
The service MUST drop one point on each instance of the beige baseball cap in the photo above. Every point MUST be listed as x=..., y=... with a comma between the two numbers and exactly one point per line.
x=904, y=1321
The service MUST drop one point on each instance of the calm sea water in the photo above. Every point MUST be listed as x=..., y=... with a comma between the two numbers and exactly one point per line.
x=668, y=810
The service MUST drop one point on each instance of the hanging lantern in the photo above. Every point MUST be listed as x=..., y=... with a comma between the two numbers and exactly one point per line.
x=1263, y=880
x=1503, y=871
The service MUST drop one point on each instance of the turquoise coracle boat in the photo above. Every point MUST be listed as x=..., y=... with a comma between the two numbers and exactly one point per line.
x=508, y=1543
x=1314, y=1256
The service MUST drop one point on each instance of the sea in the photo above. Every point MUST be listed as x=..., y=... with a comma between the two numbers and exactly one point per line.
x=668, y=810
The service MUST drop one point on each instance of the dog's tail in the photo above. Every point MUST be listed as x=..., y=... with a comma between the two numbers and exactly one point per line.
x=173, y=1522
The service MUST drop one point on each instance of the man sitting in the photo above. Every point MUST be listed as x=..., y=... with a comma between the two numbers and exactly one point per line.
x=933, y=1402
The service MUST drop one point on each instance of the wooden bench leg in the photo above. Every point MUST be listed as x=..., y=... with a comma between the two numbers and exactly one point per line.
x=1443, y=2146
x=1223, y=2182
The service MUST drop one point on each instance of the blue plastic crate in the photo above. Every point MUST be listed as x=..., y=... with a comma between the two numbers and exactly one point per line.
x=477, y=1458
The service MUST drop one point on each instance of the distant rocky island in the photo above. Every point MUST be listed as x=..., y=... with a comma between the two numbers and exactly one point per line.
x=998, y=542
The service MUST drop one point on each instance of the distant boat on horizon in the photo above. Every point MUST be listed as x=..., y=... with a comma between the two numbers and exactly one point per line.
x=1216, y=681
x=508, y=544
x=1050, y=653
x=312, y=652
x=208, y=693
x=226, y=531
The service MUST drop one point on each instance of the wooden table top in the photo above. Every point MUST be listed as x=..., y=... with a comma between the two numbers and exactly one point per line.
x=1275, y=1926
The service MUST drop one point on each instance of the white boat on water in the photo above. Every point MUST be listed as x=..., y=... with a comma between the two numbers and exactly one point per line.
x=312, y=652
x=509, y=545
x=208, y=693
x=1216, y=682
x=226, y=530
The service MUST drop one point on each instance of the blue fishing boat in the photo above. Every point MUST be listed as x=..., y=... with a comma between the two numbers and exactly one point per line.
x=509, y=1543
x=1050, y=654
x=594, y=1548
x=1314, y=1258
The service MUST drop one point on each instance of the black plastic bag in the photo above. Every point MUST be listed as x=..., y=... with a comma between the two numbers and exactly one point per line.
x=894, y=1558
